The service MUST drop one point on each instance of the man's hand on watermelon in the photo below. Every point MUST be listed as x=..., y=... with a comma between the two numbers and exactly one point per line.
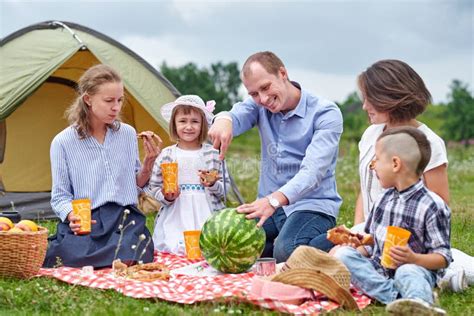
x=263, y=208
x=258, y=209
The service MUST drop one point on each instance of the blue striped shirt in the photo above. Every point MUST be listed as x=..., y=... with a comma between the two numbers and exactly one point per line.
x=418, y=210
x=84, y=168
x=299, y=151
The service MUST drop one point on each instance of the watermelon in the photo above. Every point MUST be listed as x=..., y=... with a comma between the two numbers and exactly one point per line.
x=231, y=243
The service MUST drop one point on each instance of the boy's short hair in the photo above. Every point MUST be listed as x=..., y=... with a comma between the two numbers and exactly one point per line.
x=392, y=86
x=269, y=61
x=186, y=109
x=418, y=136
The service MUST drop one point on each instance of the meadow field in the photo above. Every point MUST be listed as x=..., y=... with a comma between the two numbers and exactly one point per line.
x=44, y=296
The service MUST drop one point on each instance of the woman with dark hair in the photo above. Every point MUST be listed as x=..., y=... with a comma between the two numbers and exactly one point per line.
x=96, y=158
x=394, y=95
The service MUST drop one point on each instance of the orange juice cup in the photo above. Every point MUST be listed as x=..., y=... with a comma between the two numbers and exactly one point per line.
x=191, y=241
x=82, y=209
x=169, y=170
x=396, y=236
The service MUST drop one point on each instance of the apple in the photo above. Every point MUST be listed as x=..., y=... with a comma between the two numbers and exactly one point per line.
x=27, y=226
x=5, y=224
x=16, y=230
x=4, y=227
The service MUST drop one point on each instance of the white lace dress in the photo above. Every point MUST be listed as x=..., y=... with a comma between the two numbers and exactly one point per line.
x=189, y=211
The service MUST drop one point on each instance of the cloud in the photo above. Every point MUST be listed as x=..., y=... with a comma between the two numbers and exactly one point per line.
x=437, y=74
x=328, y=42
x=156, y=50
x=327, y=85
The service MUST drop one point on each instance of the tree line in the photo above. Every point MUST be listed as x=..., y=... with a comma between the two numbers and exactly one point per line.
x=453, y=120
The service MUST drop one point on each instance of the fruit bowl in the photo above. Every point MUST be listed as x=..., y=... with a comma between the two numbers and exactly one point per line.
x=22, y=253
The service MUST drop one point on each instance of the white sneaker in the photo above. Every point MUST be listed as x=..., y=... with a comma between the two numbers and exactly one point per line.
x=464, y=261
x=469, y=277
x=454, y=280
x=416, y=307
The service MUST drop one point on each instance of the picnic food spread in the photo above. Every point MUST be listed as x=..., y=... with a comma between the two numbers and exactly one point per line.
x=191, y=285
x=342, y=235
x=230, y=242
x=146, y=272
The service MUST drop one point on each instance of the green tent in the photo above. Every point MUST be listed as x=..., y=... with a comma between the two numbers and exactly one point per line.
x=39, y=68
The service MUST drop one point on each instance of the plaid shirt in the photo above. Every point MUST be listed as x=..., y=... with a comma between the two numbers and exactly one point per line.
x=418, y=210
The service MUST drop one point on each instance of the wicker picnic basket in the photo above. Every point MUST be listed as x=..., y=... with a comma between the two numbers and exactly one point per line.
x=22, y=254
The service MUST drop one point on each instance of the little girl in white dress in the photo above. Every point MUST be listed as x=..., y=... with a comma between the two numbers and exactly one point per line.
x=198, y=195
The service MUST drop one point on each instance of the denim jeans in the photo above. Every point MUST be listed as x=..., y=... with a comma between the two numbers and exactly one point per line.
x=284, y=233
x=410, y=280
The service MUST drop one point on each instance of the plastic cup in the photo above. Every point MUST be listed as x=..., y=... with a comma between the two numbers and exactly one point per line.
x=191, y=242
x=396, y=236
x=87, y=270
x=169, y=170
x=82, y=209
x=265, y=267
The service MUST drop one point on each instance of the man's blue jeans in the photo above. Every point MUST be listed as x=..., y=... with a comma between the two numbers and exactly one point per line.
x=410, y=280
x=300, y=228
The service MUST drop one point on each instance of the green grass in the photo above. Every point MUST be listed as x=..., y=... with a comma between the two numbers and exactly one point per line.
x=49, y=296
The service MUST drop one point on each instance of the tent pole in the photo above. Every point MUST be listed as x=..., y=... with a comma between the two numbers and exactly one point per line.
x=74, y=35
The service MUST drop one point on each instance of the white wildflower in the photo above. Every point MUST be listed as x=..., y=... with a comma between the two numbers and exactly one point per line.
x=127, y=211
x=120, y=227
x=142, y=237
x=132, y=222
x=134, y=246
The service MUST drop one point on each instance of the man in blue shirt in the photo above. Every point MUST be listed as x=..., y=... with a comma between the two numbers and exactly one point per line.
x=297, y=197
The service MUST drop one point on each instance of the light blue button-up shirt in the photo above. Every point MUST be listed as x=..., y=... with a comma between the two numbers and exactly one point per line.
x=298, y=151
x=84, y=168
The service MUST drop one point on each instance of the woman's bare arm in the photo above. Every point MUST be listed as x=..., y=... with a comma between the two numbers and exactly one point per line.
x=437, y=181
x=359, y=210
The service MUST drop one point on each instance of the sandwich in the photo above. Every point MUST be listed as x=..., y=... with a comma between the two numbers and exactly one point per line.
x=342, y=235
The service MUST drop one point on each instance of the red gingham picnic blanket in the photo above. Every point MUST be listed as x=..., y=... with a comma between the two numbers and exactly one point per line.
x=188, y=289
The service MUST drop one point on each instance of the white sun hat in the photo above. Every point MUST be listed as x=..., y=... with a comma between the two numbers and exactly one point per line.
x=191, y=100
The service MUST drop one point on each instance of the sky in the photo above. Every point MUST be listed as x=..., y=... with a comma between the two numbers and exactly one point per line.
x=324, y=44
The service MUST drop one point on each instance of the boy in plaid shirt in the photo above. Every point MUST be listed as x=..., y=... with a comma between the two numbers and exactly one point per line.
x=401, y=156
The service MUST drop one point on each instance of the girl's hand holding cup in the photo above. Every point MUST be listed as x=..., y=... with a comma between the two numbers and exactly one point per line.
x=169, y=171
x=170, y=195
